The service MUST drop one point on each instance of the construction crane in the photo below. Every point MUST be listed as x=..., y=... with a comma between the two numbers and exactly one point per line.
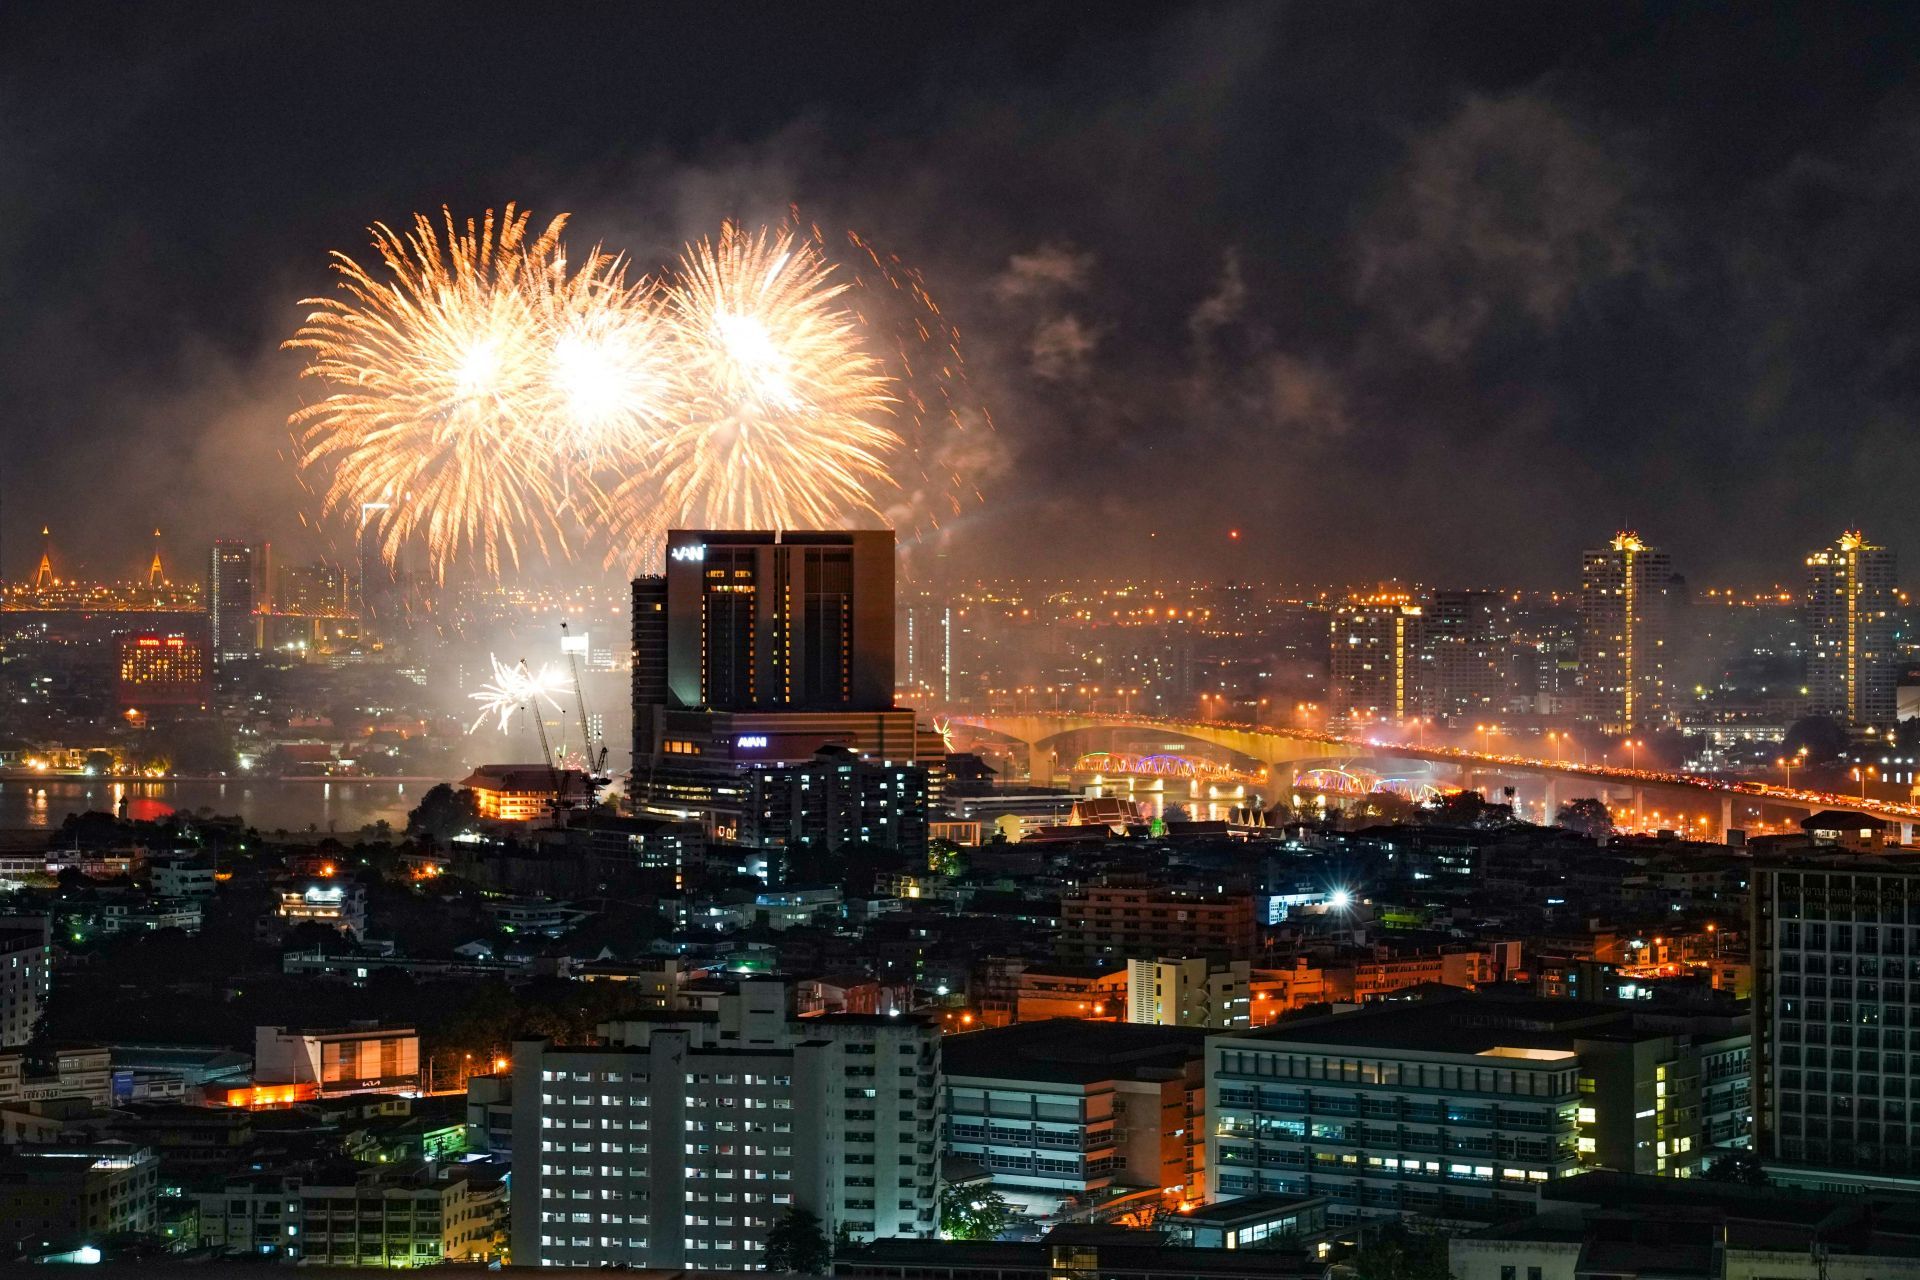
x=532, y=707
x=595, y=754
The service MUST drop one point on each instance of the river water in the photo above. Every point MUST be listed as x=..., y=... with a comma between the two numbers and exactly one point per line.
x=266, y=804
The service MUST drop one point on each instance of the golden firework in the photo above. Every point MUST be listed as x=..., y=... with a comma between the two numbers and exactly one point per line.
x=784, y=421
x=437, y=379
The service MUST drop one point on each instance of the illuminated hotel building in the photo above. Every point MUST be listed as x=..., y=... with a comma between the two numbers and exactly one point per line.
x=1374, y=659
x=1625, y=596
x=755, y=650
x=1849, y=617
x=231, y=599
x=153, y=671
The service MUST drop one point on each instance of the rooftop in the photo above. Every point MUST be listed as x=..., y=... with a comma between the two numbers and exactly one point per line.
x=1463, y=1025
x=1070, y=1051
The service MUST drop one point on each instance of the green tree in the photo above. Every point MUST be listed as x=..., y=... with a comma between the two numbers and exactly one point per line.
x=973, y=1213
x=1401, y=1251
x=1822, y=737
x=944, y=858
x=443, y=813
x=1587, y=816
x=1458, y=809
x=1737, y=1166
x=99, y=763
x=797, y=1244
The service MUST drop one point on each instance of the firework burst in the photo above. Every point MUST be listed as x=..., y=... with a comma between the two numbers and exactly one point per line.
x=785, y=423
x=497, y=397
x=613, y=378
x=437, y=375
x=513, y=687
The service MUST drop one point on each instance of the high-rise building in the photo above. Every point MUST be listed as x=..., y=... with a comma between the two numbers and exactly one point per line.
x=1834, y=996
x=231, y=600
x=1626, y=595
x=1463, y=661
x=759, y=620
x=681, y=1140
x=754, y=651
x=1849, y=619
x=1374, y=666
x=317, y=590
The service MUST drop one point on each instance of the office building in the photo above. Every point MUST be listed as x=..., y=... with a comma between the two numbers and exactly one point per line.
x=1121, y=921
x=1189, y=991
x=1462, y=1107
x=25, y=975
x=408, y=1215
x=680, y=1140
x=760, y=620
x=1626, y=598
x=411, y=1216
x=1834, y=996
x=154, y=672
x=231, y=601
x=1850, y=599
x=1068, y=1112
x=359, y=1059
x=1373, y=660
x=755, y=650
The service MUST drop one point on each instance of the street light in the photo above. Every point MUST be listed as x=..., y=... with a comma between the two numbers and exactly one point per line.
x=1861, y=776
x=1633, y=754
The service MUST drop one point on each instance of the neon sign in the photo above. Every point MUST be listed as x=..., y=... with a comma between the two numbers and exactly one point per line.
x=693, y=552
x=751, y=740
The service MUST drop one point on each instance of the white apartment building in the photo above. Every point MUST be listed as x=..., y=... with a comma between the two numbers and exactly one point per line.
x=681, y=1139
x=24, y=976
x=1189, y=991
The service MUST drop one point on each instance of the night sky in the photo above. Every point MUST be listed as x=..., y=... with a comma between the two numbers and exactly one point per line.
x=1437, y=291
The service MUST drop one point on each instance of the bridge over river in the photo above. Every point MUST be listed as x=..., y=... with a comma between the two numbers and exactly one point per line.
x=1285, y=751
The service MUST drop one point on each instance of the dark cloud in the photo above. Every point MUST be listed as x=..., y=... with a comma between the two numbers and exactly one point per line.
x=1397, y=290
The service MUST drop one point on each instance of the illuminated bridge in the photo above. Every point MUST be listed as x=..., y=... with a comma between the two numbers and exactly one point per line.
x=1160, y=765
x=1290, y=751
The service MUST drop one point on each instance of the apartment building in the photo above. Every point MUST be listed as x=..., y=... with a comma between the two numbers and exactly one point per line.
x=679, y=1140
x=1108, y=922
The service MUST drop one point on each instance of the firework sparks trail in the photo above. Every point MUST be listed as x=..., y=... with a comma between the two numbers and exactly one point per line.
x=513, y=687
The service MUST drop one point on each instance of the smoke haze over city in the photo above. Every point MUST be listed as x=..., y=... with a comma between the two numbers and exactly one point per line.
x=1435, y=293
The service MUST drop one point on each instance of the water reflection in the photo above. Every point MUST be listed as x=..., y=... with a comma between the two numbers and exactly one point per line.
x=267, y=804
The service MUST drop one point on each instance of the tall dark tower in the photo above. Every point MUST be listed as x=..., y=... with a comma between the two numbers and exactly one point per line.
x=231, y=597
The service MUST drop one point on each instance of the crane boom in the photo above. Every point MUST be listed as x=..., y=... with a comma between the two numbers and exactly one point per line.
x=532, y=705
x=596, y=760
